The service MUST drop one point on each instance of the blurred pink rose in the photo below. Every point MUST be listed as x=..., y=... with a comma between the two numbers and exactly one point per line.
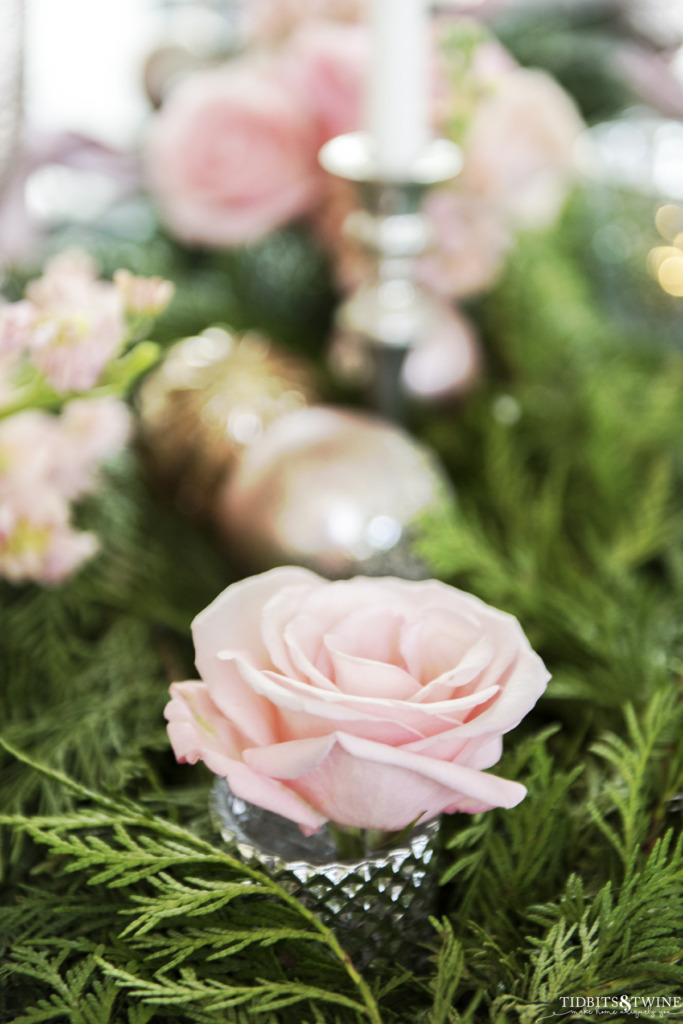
x=519, y=148
x=367, y=702
x=232, y=154
x=326, y=64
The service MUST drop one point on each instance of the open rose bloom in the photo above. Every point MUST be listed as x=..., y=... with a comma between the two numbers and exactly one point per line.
x=369, y=702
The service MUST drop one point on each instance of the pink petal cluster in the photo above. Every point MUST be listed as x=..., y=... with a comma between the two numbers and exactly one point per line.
x=46, y=462
x=368, y=702
x=71, y=324
x=79, y=323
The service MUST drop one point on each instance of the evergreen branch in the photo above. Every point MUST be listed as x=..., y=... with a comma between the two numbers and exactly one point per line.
x=215, y=943
x=215, y=995
x=121, y=815
x=633, y=764
x=450, y=967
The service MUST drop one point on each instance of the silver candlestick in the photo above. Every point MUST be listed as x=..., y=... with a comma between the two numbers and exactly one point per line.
x=389, y=312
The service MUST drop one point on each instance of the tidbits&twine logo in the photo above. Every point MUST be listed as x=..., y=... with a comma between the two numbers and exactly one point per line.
x=663, y=1007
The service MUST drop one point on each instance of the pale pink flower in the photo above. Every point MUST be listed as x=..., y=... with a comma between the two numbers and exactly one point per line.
x=469, y=246
x=17, y=324
x=232, y=154
x=37, y=543
x=29, y=442
x=45, y=461
x=79, y=326
x=91, y=431
x=519, y=148
x=66, y=278
x=446, y=361
x=143, y=296
x=368, y=702
x=62, y=452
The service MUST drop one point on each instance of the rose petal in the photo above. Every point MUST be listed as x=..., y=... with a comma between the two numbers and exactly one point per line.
x=301, y=724
x=273, y=796
x=198, y=731
x=439, y=640
x=233, y=620
x=387, y=788
x=303, y=638
x=196, y=726
x=364, y=678
x=469, y=782
x=291, y=759
x=339, y=706
x=473, y=663
x=520, y=689
x=476, y=752
x=255, y=717
x=372, y=633
x=292, y=639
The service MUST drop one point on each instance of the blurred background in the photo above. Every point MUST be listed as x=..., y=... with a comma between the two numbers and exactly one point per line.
x=80, y=82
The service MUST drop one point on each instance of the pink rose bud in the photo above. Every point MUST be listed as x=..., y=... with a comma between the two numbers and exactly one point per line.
x=143, y=296
x=369, y=702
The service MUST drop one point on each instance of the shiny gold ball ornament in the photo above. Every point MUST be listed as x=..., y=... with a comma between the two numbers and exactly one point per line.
x=336, y=490
x=210, y=399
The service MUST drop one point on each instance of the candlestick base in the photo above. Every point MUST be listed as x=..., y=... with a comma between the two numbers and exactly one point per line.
x=389, y=313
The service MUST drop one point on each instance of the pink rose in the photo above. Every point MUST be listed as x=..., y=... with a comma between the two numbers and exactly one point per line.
x=232, y=154
x=326, y=64
x=519, y=148
x=368, y=702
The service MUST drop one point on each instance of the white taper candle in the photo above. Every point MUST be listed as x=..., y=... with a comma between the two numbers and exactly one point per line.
x=398, y=86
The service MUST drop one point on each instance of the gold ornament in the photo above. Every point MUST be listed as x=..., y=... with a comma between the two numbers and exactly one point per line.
x=211, y=398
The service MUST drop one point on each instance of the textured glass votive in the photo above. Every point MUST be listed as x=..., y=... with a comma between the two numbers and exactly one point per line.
x=378, y=906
